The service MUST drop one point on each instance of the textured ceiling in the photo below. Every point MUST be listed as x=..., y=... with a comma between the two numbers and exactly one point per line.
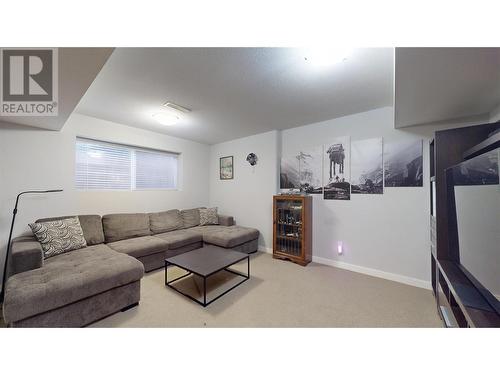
x=236, y=92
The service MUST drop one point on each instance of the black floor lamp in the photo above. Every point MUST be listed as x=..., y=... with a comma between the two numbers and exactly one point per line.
x=14, y=213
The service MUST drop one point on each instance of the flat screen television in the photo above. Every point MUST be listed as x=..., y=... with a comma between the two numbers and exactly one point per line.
x=474, y=222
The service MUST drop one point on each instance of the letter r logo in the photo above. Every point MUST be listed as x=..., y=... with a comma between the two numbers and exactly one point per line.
x=27, y=75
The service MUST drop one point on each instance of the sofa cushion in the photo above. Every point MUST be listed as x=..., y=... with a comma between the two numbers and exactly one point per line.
x=190, y=218
x=59, y=236
x=230, y=236
x=122, y=226
x=91, y=226
x=179, y=238
x=166, y=221
x=139, y=246
x=26, y=254
x=208, y=216
x=67, y=278
x=92, y=229
x=225, y=220
x=202, y=229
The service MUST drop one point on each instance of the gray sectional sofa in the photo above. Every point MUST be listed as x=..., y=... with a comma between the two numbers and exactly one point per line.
x=77, y=288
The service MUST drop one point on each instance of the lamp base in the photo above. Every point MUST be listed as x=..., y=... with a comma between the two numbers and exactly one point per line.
x=2, y=323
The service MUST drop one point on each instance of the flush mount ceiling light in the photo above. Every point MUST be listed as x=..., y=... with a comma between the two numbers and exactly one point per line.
x=166, y=118
x=324, y=57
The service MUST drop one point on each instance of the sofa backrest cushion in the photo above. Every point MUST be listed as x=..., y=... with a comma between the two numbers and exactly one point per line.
x=122, y=226
x=190, y=218
x=91, y=226
x=166, y=221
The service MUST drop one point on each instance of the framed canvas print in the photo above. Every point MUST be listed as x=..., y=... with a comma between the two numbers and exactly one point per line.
x=289, y=173
x=311, y=170
x=366, y=166
x=403, y=163
x=226, y=168
x=336, y=169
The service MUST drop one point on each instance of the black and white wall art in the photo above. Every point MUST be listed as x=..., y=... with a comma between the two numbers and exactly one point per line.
x=311, y=170
x=289, y=172
x=403, y=163
x=336, y=169
x=367, y=167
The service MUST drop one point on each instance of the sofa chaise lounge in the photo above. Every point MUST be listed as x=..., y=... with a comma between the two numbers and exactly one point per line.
x=77, y=288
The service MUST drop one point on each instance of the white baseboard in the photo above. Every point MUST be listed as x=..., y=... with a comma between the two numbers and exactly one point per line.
x=365, y=270
x=374, y=272
x=265, y=249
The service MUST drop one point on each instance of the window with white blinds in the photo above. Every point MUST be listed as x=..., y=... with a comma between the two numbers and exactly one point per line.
x=110, y=166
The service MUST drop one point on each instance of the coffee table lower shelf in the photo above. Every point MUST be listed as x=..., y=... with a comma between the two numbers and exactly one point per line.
x=205, y=303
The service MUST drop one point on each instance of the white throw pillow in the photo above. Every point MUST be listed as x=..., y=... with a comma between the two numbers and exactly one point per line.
x=59, y=236
x=208, y=216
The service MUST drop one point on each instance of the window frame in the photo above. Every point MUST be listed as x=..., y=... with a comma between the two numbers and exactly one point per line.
x=132, y=166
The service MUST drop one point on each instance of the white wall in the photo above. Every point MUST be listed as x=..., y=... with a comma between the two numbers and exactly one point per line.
x=385, y=235
x=39, y=159
x=247, y=197
x=193, y=176
x=387, y=232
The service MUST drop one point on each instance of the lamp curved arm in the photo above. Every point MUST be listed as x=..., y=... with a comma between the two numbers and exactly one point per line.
x=35, y=192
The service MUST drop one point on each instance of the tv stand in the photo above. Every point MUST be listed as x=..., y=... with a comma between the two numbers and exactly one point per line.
x=459, y=296
x=459, y=302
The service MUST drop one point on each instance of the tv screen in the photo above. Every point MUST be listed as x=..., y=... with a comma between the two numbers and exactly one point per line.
x=477, y=203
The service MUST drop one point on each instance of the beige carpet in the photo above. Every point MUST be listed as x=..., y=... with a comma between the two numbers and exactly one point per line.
x=282, y=294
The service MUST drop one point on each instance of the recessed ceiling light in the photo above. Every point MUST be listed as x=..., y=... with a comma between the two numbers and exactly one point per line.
x=166, y=118
x=324, y=57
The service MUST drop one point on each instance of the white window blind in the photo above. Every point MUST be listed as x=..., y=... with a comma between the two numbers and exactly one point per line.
x=110, y=166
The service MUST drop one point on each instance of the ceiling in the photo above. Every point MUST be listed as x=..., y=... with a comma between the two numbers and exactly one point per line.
x=78, y=68
x=236, y=92
x=438, y=84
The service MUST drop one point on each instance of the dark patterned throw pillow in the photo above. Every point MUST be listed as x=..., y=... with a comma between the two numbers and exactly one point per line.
x=208, y=216
x=59, y=236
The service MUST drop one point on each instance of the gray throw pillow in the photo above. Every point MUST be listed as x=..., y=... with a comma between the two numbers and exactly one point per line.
x=208, y=216
x=59, y=236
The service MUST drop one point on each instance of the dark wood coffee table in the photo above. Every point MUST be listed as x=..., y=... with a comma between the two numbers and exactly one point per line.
x=206, y=262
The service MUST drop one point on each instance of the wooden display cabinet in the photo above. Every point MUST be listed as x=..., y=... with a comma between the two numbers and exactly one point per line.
x=292, y=228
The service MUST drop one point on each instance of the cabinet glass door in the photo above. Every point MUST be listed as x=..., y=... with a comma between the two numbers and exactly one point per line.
x=289, y=227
